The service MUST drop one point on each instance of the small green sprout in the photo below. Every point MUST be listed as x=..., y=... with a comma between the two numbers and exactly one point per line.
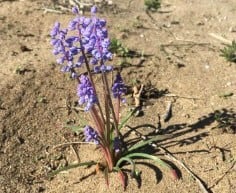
x=116, y=47
x=42, y=99
x=152, y=5
x=229, y=52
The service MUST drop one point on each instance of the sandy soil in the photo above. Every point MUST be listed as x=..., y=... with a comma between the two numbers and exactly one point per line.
x=182, y=64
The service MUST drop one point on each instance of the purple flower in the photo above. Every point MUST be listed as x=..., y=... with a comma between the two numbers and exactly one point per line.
x=118, y=87
x=91, y=39
x=94, y=9
x=91, y=135
x=63, y=47
x=117, y=144
x=102, y=68
x=95, y=33
x=55, y=29
x=75, y=10
x=86, y=93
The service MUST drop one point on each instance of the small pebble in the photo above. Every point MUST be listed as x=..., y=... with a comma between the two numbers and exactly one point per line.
x=138, y=113
x=41, y=189
x=174, y=22
x=200, y=23
x=24, y=48
x=186, y=116
x=207, y=66
x=232, y=29
x=110, y=3
x=20, y=140
x=168, y=25
x=124, y=36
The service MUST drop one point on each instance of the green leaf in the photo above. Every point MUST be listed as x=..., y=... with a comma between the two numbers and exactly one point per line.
x=133, y=172
x=78, y=128
x=72, y=166
x=151, y=157
x=152, y=4
x=156, y=159
x=126, y=118
x=229, y=52
x=75, y=128
x=147, y=142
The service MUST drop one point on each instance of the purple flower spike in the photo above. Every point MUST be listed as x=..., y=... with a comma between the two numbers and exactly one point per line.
x=91, y=135
x=117, y=144
x=86, y=93
x=75, y=10
x=94, y=10
x=102, y=68
x=55, y=29
x=118, y=87
x=91, y=40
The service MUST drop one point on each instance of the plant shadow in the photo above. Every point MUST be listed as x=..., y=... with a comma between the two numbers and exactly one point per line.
x=138, y=178
x=224, y=118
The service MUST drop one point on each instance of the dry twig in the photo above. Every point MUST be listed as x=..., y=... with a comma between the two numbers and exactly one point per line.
x=168, y=112
x=196, y=178
x=137, y=94
x=172, y=157
x=73, y=143
x=48, y=10
x=81, y=4
x=223, y=175
x=184, y=97
x=73, y=147
x=220, y=38
x=158, y=128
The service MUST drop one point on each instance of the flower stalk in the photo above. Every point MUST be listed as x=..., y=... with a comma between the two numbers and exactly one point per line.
x=85, y=43
x=92, y=81
x=90, y=47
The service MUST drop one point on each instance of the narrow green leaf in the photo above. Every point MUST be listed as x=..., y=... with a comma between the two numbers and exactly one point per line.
x=72, y=166
x=152, y=157
x=126, y=119
x=75, y=128
x=147, y=142
x=78, y=128
x=131, y=163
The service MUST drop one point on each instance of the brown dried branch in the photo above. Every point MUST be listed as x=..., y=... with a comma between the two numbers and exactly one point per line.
x=196, y=178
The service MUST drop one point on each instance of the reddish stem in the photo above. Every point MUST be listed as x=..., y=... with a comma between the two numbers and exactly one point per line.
x=110, y=102
x=108, y=157
x=98, y=122
x=117, y=110
x=122, y=178
x=90, y=75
